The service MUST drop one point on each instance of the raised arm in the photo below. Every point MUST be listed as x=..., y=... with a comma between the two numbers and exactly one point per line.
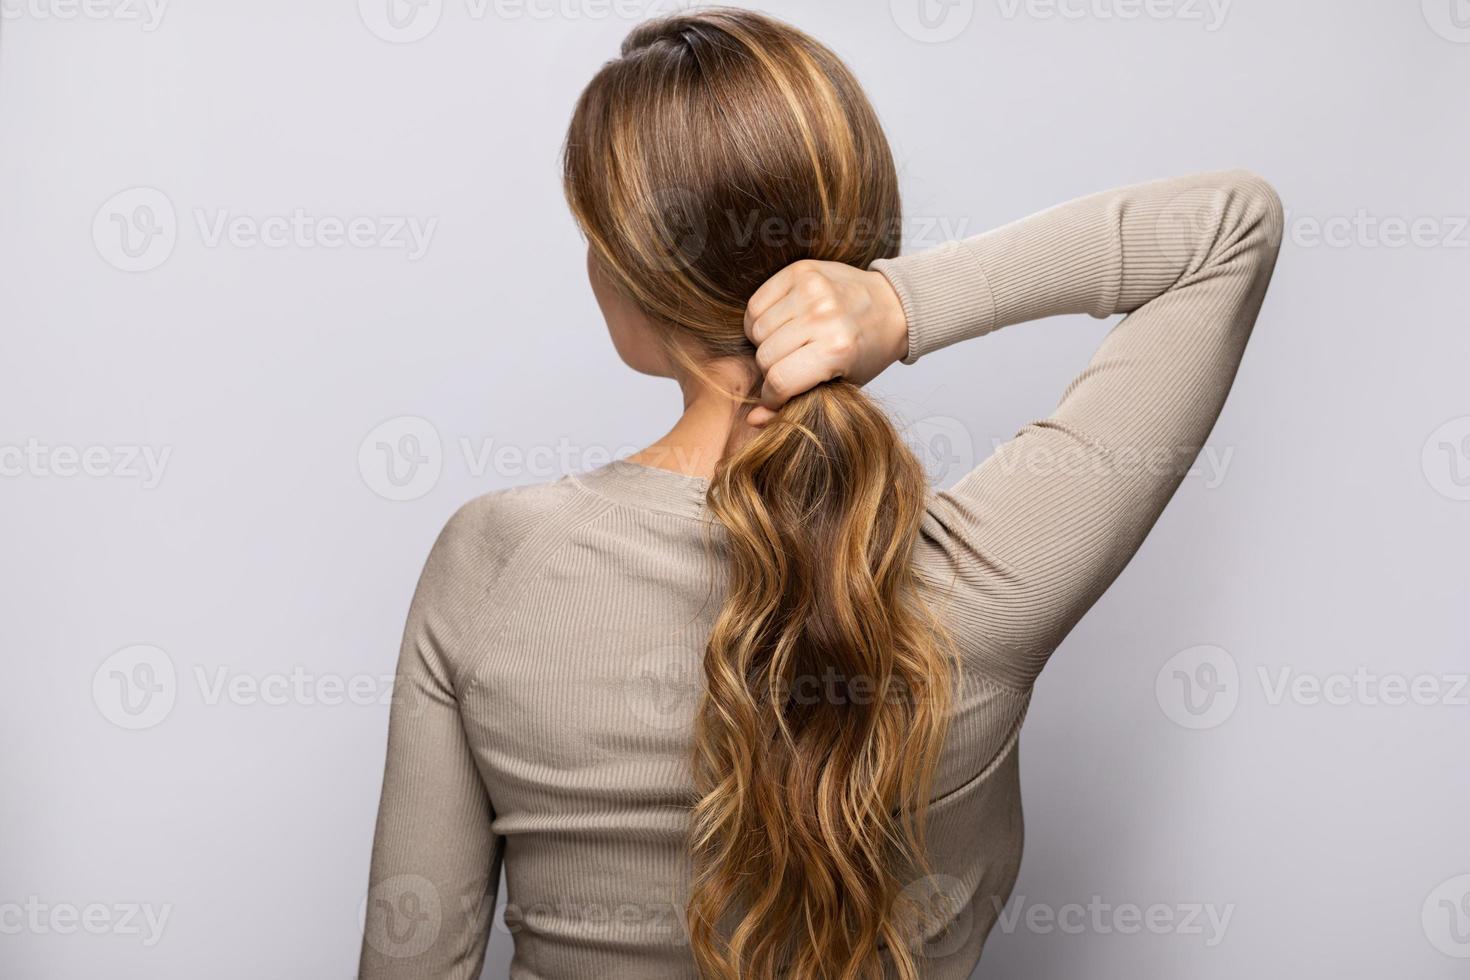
x=1024, y=545
x=435, y=863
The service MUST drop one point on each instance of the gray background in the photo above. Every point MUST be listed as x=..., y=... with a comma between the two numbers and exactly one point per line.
x=1326, y=543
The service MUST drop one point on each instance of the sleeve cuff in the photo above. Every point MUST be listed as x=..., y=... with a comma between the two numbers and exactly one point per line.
x=945, y=295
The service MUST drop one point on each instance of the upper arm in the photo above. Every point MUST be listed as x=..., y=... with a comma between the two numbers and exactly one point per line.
x=435, y=860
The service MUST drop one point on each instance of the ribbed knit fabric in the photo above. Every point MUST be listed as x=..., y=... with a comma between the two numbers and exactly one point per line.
x=552, y=659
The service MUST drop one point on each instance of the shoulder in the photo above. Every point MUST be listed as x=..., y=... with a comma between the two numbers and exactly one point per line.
x=484, y=535
x=483, y=549
x=489, y=541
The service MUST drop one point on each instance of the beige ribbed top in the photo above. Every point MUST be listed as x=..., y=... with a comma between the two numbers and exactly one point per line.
x=552, y=657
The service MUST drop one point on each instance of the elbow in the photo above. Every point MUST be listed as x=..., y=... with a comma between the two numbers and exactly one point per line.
x=1251, y=188
x=1253, y=209
x=1248, y=224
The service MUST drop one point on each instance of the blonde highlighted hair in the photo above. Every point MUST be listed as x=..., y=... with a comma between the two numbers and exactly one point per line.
x=718, y=148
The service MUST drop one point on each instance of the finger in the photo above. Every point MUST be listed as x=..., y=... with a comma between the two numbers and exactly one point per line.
x=786, y=340
x=761, y=328
x=800, y=371
x=769, y=292
x=760, y=417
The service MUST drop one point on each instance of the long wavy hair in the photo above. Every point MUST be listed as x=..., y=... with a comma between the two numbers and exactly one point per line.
x=718, y=148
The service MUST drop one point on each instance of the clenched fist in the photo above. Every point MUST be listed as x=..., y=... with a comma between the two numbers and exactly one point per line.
x=814, y=321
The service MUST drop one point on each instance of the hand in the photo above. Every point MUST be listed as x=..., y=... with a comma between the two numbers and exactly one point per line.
x=814, y=321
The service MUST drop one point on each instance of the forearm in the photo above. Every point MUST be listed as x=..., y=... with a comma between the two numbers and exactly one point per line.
x=436, y=859
x=1102, y=254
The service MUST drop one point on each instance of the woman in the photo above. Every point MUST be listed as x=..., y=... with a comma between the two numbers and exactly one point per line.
x=746, y=704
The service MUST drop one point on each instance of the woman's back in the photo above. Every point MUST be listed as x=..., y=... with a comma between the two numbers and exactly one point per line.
x=567, y=623
x=553, y=657
x=765, y=727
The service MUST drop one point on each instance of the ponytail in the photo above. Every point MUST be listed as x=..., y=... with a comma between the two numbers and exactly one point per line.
x=826, y=702
x=720, y=147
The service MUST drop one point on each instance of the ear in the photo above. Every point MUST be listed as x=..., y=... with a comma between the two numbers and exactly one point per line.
x=636, y=338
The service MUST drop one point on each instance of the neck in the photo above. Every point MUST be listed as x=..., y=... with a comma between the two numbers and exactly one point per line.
x=712, y=424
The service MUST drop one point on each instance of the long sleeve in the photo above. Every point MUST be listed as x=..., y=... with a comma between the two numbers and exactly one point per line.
x=1024, y=545
x=435, y=862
